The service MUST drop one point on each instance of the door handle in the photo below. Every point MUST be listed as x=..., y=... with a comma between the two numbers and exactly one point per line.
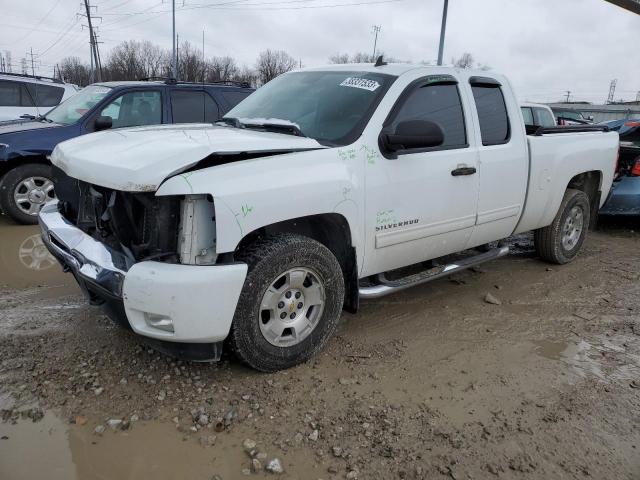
x=463, y=171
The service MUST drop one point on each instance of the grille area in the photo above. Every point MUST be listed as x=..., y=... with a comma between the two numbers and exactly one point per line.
x=141, y=225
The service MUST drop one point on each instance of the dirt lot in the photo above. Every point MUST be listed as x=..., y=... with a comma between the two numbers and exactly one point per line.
x=431, y=383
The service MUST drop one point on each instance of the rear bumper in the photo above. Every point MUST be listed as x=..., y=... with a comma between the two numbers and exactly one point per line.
x=624, y=198
x=166, y=302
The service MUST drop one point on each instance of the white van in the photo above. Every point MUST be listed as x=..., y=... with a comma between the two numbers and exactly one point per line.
x=27, y=96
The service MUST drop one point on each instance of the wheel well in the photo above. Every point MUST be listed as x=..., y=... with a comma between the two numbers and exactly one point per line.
x=12, y=163
x=589, y=183
x=331, y=230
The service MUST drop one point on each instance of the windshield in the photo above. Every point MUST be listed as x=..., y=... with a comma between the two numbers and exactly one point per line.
x=73, y=108
x=331, y=107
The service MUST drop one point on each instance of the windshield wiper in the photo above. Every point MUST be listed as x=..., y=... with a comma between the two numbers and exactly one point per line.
x=234, y=122
x=289, y=129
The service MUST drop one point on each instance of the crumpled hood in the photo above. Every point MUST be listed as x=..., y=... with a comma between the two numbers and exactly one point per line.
x=139, y=159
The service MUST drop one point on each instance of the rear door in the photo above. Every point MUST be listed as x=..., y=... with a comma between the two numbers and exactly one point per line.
x=503, y=160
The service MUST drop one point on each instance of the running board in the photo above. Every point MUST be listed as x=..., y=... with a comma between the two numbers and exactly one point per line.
x=387, y=287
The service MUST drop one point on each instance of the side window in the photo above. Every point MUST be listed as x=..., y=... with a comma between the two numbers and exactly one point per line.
x=135, y=108
x=440, y=104
x=14, y=94
x=492, y=112
x=527, y=114
x=193, y=107
x=544, y=117
x=45, y=95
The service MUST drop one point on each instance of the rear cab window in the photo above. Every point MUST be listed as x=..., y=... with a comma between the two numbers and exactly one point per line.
x=492, y=111
x=436, y=99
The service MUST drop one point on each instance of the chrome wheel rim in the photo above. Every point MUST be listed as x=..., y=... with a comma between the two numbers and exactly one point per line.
x=32, y=193
x=291, y=307
x=572, y=228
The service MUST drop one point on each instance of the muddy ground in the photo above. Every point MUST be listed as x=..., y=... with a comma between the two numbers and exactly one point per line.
x=430, y=383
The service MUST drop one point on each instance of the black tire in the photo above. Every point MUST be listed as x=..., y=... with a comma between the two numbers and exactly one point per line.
x=268, y=259
x=548, y=240
x=8, y=185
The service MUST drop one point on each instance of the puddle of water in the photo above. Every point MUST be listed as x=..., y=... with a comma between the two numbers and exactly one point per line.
x=53, y=450
x=586, y=359
x=25, y=262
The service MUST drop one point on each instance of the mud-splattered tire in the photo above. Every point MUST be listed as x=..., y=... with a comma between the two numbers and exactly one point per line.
x=561, y=241
x=285, y=271
x=24, y=190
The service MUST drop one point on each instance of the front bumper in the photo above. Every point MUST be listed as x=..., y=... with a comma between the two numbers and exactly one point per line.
x=167, y=302
x=624, y=198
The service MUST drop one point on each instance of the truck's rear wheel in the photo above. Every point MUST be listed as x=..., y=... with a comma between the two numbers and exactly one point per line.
x=24, y=190
x=561, y=241
x=290, y=303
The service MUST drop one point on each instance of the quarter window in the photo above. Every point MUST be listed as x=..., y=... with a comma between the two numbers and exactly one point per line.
x=193, y=107
x=439, y=104
x=492, y=113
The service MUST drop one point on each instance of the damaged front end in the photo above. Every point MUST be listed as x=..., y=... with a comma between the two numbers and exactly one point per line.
x=149, y=260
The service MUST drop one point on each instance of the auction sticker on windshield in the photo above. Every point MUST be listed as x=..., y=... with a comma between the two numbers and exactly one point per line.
x=363, y=83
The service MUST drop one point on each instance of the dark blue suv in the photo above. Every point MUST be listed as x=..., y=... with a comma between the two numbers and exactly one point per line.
x=25, y=171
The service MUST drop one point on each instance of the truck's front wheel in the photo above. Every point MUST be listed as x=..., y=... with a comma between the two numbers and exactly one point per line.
x=561, y=241
x=290, y=303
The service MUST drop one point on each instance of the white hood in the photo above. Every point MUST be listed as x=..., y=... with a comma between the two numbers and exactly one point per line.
x=139, y=159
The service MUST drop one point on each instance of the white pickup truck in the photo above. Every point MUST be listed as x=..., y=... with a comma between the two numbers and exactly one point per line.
x=324, y=187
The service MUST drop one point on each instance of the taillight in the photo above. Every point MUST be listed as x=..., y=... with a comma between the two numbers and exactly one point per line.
x=632, y=124
x=635, y=170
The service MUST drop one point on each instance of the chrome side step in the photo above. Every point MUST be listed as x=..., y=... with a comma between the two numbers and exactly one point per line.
x=387, y=287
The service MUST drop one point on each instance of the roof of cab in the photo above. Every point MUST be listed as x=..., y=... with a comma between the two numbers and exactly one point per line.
x=398, y=69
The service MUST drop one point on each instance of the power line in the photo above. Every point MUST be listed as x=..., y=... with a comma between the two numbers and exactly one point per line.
x=46, y=15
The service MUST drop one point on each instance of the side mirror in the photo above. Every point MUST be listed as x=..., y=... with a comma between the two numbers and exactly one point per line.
x=590, y=118
x=413, y=134
x=103, y=123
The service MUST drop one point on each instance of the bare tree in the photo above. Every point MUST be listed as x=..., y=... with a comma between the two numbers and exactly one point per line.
x=72, y=70
x=359, y=57
x=467, y=61
x=272, y=63
x=191, y=67
x=247, y=75
x=339, y=58
x=221, y=69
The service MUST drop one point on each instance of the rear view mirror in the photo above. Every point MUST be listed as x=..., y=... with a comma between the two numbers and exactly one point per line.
x=103, y=123
x=413, y=134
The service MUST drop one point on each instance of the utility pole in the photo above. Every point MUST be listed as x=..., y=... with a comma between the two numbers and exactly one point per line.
x=568, y=95
x=612, y=90
x=443, y=28
x=376, y=30
x=95, y=62
x=30, y=53
x=638, y=96
x=174, y=56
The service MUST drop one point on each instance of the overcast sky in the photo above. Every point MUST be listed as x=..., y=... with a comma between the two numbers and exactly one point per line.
x=545, y=46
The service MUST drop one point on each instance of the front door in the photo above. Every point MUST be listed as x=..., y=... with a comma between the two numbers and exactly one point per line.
x=422, y=203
